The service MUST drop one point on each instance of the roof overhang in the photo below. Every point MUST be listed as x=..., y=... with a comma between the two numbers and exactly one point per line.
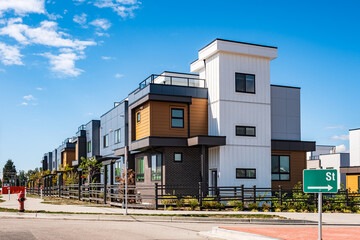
x=291, y=145
x=350, y=170
x=108, y=160
x=210, y=141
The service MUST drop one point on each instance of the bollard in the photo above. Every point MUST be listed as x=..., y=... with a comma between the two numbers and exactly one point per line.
x=41, y=193
x=9, y=193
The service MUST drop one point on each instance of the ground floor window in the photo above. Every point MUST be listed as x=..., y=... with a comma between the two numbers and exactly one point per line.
x=117, y=171
x=280, y=168
x=140, y=169
x=156, y=167
x=246, y=173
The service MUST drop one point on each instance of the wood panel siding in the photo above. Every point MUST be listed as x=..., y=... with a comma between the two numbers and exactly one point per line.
x=297, y=165
x=142, y=128
x=161, y=119
x=199, y=117
x=352, y=182
x=67, y=157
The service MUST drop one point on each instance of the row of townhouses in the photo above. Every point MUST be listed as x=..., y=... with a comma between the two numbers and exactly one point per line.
x=347, y=164
x=223, y=124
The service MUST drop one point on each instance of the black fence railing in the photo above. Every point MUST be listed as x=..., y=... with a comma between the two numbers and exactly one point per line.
x=162, y=196
x=172, y=80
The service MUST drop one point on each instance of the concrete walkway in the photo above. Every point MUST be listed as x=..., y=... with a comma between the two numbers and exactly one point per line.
x=36, y=205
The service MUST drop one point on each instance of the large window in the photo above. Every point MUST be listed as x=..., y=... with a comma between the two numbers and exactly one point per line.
x=280, y=168
x=245, y=131
x=117, y=169
x=140, y=169
x=89, y=146
x=117, y=136
x=156, y=167
x=245, y=83
x=177, y=118
x=246, y=173
x=106, y=140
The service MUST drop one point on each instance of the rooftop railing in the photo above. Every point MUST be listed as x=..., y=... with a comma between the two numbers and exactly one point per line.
x=172, y=80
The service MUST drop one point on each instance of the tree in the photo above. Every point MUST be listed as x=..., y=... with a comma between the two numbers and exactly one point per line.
x=22, y=178
x=9, y=173
x=91, y=167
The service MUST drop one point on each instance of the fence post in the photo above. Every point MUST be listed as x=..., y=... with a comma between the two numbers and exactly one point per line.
x=105, y=182
x=280, y=195
x=235, y=194
x=79, y=184
x=156, y=197
x=60, y=180
x=242, y=194
x=200, y=194
x=347, y=197
x=254, y=191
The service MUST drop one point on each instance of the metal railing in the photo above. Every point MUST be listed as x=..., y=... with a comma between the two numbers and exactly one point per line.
x=172, y=80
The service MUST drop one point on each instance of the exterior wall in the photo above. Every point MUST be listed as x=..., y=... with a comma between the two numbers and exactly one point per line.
x=228, y=108
x=320, y=149
x=49, y=160
x=114, y=119
x=297, y=165
x=142, y=128
x=67, y=157
x=285, y=113
x=352, y=182
x=335, y=161
x=155, y=119
x=354, y=140
x=313, y=164
x=55, y=161
x=93, y=135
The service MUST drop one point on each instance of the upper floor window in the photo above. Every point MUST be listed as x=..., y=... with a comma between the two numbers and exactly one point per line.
x=106, y=140
x=246, y=173
x=117, y=135
x=177, y=118
x=245, y=131
x=245, y=82
x=138, y=117
x=89, y=146
x=280, y=168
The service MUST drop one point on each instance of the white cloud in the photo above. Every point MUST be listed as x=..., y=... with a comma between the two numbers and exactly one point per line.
x=10, y=55
x=29, y=97
x=335, y=127
x=80, y=19
x=341, y=148
x=22, y=7
x=46, y=34
x=107, y=58
x=64, y=63
x=118, y=75
x=101, y=23
x=340, y=137
x=39, y=89
x=24, y=104
x=124, y=8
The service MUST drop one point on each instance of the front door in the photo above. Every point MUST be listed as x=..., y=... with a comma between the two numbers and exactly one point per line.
x=213, y=182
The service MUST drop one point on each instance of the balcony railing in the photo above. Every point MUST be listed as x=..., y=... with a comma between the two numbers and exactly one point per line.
x=172, y=80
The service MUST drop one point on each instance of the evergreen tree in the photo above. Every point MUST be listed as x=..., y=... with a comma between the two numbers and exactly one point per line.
x=9, y=173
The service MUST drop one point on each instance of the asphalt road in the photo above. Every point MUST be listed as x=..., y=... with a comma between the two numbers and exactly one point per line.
x=30, y=229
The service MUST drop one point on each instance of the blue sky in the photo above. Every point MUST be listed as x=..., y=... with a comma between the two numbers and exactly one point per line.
x=63, y=63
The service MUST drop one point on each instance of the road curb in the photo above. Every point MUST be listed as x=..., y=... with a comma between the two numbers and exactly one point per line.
x=141, y=218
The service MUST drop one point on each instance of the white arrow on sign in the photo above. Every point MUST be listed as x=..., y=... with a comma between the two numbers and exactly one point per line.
x=328, y=187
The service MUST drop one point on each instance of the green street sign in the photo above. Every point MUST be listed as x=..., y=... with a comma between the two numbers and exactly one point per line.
x=320, y=181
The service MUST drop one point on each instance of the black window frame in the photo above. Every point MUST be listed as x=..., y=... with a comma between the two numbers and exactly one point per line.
x=138, y=117
x=245, y=74
x=140, y=177
x=156, y=176
x=106, y=141
x=245, y=169
x=245, y=132
x=181, y=118
x=181, y=154
x=117, y=136
x=88, y=147
x=279, y=172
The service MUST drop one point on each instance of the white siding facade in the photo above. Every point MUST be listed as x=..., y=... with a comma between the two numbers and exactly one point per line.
x=354, y=142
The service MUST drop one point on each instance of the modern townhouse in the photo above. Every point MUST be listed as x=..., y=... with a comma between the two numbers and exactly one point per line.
x=223, y=124
x=353, y=170
x=55, y=160
x=326, y=157
x=113, y=136
x=79, y=140
x=66, y=153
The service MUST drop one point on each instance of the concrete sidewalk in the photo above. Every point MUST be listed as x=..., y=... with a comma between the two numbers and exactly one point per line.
x=35, y=204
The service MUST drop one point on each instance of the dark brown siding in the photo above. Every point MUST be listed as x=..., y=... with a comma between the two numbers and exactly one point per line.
x=297, y=165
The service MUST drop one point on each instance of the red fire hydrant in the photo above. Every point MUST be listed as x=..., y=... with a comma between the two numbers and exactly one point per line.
x=21, y=199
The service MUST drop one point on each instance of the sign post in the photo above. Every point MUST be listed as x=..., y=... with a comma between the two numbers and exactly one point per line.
x=320, y=181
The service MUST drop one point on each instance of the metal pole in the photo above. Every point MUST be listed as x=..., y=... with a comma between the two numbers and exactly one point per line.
x=41, y=194
x=9, y=193
x=320, y=215
x=126, y=181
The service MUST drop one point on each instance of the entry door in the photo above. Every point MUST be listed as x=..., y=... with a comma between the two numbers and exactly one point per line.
x=213, y=182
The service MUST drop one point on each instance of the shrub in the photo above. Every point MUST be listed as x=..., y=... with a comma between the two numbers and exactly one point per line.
x=253, y=206
x=292, y=210
x=265, y=207
x=192, y=202
x=168, y=200
x=180, y=203
x=239, y=206
x=277, y=209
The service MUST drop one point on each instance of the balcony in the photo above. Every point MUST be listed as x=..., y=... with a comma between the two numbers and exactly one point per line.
x=173, y=80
